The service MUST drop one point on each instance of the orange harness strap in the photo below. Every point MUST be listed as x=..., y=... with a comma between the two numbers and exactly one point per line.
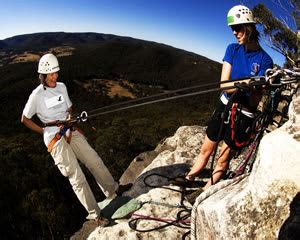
x=57, y=137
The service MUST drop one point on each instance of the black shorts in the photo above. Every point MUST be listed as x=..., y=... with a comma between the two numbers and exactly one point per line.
x=242, y=129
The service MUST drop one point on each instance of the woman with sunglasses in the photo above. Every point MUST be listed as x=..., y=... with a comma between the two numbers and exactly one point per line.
x=243, y=59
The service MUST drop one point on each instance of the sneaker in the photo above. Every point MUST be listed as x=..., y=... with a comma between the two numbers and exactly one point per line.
x=193, y=196
x=123, y=188
x=101, y=221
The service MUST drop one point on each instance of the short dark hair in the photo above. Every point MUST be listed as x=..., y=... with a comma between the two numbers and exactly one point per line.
x=251, y=32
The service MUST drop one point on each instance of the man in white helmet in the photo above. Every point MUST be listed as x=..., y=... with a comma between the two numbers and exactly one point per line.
x=50, y=102
x=243, y=59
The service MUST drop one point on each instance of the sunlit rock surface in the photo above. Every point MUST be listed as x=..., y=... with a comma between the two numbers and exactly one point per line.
x=255, y=206
x=173, y=157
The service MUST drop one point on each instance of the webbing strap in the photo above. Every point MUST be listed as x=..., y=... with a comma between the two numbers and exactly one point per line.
x=234, y=127
x=57, y=137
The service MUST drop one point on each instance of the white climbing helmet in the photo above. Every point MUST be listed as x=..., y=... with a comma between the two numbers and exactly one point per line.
x=239, y=15
x=48, y=64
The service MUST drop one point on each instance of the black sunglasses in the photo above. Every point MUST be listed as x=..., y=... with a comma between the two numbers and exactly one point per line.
x=236, y=28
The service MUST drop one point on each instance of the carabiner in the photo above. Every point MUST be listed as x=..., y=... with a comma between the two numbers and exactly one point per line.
x=83, y=116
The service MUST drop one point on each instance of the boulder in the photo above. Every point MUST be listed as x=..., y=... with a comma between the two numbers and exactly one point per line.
x=173, y=157
x=254, y=206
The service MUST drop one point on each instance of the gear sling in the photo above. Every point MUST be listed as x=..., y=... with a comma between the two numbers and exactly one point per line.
x=241, y=121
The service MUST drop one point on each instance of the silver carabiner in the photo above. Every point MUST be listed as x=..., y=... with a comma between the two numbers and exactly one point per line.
x=83, y=116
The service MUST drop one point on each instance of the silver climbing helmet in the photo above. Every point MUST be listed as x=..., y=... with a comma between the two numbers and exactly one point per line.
x=239, y=15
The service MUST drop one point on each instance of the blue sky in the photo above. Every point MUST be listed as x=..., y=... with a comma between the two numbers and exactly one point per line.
x=194, y=25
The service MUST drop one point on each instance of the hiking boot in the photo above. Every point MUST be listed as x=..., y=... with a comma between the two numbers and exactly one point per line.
x=192, y=196
x=101, y=221
x=123, y=188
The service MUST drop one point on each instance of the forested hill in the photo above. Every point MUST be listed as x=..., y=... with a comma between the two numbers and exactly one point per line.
x=87, y=55
x=43, y=41
x=99, y=70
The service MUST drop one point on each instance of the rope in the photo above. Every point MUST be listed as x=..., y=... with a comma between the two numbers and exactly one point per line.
x=182, y=217
x=240, y=169
x=158, y=100
x=143, y=216
x=289, y=77
x=84, y=116
x=181, y=221
x=168, y=98
x=164, y=204
x=165, y=94
x=255, y=79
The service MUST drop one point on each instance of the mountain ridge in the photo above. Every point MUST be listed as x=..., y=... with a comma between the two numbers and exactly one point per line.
x=53, y=39
x=97, y=55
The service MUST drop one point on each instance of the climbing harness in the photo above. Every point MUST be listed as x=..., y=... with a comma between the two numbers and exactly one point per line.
x=235, y=120
x=275, y=80
x=220, y=133
x=278, y=80
x=64, y=127
x=57, y=137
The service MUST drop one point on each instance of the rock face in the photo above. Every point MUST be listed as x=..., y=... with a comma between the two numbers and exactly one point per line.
x=247, y=207
x=171, y=158
x=255, y=206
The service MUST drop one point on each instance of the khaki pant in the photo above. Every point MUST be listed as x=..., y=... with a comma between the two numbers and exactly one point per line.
x=65, y=157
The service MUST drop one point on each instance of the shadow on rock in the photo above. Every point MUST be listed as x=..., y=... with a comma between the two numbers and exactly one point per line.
x=160, y=177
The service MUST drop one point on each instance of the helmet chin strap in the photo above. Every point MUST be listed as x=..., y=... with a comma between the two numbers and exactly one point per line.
x=45, y=84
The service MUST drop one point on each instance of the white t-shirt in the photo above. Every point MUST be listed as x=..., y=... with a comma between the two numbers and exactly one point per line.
x=49, y=104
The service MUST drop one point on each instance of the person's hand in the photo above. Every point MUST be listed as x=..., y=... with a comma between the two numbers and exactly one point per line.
x=68, y=135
